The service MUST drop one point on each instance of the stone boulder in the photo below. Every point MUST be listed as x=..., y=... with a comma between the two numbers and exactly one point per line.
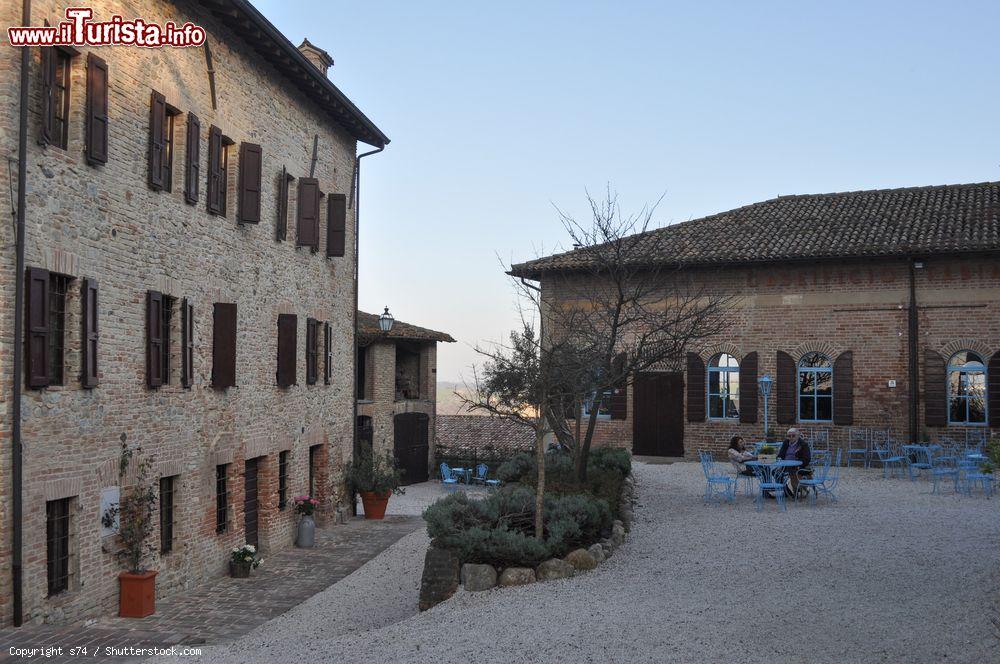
x=554, y=568
x=597, y=551
x=478, y=577
x=581, y=560
x=440, y=578
x=617, y=533
x=608, y=547
x=516, y=576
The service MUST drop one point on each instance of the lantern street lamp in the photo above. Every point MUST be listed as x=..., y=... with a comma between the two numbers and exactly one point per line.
x=765, y=391
x=385, y=321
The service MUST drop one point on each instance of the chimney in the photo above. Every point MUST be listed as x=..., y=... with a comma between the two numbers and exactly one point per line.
x=317, y=56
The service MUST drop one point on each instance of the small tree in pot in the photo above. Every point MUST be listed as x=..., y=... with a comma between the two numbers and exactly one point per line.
x=375, y=477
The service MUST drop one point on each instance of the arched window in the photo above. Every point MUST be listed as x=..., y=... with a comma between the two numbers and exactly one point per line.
x=723, y=387
x=815, y=388
x=966, y=388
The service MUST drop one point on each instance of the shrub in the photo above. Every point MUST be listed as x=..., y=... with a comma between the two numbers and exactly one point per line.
x=516, y=468
x=611, y=458
x=573, y=521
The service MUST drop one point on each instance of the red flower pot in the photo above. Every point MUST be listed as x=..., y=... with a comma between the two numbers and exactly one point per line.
x=136, y=594
x=375, y=503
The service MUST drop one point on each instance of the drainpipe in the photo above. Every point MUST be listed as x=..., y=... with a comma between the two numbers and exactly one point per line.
x=913, y=331
x=16, y=474
x=354, y=357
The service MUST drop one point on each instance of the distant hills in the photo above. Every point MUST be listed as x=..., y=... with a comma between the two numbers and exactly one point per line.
x=447, y=402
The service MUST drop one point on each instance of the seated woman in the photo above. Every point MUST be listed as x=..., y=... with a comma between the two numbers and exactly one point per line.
x=795, y=448
x=738, y=454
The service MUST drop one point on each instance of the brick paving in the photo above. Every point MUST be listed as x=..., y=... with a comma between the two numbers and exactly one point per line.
x=226, y=608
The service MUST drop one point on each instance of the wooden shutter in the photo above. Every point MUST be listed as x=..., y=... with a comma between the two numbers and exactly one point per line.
x=36, y=319
x=993, y=390
x=154, y=339
x=287, y=345
x=307, y=217
x=96, y=112
x=843, y=389
x=157, y=139
x=696, y=395
x=187, y=343
x=312, y=350
x=224, y=345
x=935, y=396
x=336, y=224
x=281, y=230
x=89, y=335
x=618, y=403
x=786, y=388
x=748, y=389
x=248, y=197
x=192, y=153
x=328, y=354
x=215, y=186
x=49, y=62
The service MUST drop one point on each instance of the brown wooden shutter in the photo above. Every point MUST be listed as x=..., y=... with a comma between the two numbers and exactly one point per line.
x=192, y=154
x=336, y=224
x=36, y=319
x=281, y=230
x=96, y=111
x=187, y=343
x=157, y=139
x=89, y=335
x=287, y=345
x=786, y=388
x=312, y=350
x=993, y=390
x=248, y=196
x=843, y=389
x=49, y=62
x=224, y=345
x=618, y=403
x=748, y=389
x=215, y=186
x=935, y=396
x=328, y=354
x=696, y=395
x=154, y=339
x=307, y=217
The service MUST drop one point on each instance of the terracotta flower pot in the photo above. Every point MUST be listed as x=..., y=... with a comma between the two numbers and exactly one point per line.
x=375, y=503
x=240, y=569
x=136, y=594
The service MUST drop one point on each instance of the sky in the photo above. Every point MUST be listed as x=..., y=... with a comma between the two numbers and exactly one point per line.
x=498, y=112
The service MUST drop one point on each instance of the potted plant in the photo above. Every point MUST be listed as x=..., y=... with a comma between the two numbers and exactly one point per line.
x=770, y=436
x=375, y=477
x=767, y=454
x=305, y=536
x=242, y=560
x=134, y=513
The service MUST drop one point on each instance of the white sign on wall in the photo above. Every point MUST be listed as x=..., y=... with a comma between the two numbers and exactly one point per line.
x=109, y=498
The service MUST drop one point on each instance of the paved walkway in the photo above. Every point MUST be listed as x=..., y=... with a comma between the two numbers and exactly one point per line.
x=226, y=608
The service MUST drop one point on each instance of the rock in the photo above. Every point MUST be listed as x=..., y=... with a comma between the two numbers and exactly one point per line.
x=516, y=576
x=478, y=577
x=617, y=533
x=581, y=560
x=440, y=578
x=608, y=547
x=554, y=569
x=597, y=552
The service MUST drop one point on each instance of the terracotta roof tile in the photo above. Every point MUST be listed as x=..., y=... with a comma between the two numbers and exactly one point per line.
x=368, y=328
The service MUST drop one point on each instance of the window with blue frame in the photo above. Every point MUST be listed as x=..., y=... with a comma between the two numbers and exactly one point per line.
x=966, y=389
x=604, y=412
x=723, y=387
x=815, y=388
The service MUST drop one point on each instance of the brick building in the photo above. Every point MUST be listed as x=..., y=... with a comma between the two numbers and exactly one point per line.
x=397, y=392
x=869, y=309
x=190, y=285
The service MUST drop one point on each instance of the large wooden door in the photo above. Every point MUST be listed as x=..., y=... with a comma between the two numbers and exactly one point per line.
x=410, y=445
x=658, y=414
x=250, y=502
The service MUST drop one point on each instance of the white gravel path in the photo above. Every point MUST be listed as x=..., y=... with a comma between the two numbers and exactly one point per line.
x=888, y=574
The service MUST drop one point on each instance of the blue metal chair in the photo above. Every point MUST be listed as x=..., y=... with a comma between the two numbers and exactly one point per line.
x=481, y=471
x=945, y=468
x=448, y=479
x=820, y=441
x=739, y=475
x=820, y=473
x=970, y=476
x=918, y=457
x=975, y=441
x=770, y=479
x=858, y=444
x=889, y=456
x=717, y=484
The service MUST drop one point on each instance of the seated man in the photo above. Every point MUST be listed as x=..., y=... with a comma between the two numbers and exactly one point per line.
x=795, y=448
x=738, y=454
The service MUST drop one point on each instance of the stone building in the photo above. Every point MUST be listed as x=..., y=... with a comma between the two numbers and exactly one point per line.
x=871, y=310
x=397, y=392
x=189, y=288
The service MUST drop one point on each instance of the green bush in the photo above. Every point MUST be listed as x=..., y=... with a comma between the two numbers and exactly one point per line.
x=573, y=521
x=610, y=458
x=516, y=468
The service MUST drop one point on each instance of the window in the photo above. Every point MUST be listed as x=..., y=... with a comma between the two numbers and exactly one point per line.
x=604, y=412
x=167, y=514
x=55, y=95
x=282, y=480
x=218, y=170
x=248, y=187
x=723, y=387
x=224, y=345
x=57, y=523
x=313, y=460
x=96, y=111
x=90, y=334
x=192, y=166
x=159, y=312
x=815, y=388
x=327, y=354
x=221, y=498
x=168, y=308
x=58, y=285
x=307, y=215
x=187, y=343
x=287, y=344
x=281, y=229
x=336, y=224
x=161, y=142
x=312, y=350
x=966, y=389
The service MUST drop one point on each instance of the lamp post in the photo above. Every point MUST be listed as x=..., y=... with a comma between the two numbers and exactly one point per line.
x=765, y=383
x=385, y=321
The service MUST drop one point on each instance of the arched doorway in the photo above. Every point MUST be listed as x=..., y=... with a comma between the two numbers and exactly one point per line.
x=410, y=445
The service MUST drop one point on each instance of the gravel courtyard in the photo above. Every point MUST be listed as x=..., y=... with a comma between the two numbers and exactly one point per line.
x=888, y=574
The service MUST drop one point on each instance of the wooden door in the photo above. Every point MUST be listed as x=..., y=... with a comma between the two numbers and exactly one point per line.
x=658, y=414
x=410, y=445
x=250, y=502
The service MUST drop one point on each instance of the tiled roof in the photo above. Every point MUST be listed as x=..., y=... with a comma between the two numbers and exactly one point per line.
x=962, y=218
x=465, y=433
x=368, y=328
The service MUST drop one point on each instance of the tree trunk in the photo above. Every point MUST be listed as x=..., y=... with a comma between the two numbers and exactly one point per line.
x=583, y=446
x=540, y=487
